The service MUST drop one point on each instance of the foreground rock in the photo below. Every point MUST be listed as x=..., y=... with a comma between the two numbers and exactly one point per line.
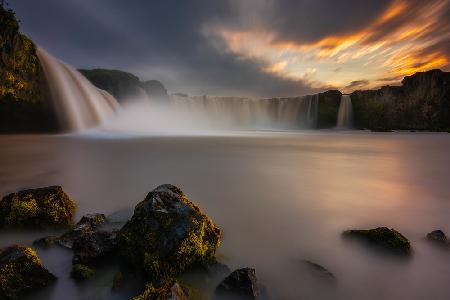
x=241, y=284
x=319, y=271
x=37, y=208
x=167, y=235
x=383, y=238
x=91, y=246
x=87, y=224
x=439, y=238
x=81, y=272
x=21, y=272
x=168, y=291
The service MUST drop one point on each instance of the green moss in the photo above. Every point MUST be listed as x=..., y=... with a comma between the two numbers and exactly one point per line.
x=383, y=237
x=44, y=207
x=81, y=272
x=167, y=290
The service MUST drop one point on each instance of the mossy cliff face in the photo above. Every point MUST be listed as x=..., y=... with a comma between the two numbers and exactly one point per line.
x=22, y=105
x=21, y=271
x=384, y=238
x=167, y=235
x=37, y=208
x=422, y=102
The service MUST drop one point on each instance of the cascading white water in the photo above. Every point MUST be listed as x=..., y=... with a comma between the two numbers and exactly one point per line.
x=345, y=115
x=246, y=113
x=78, y=104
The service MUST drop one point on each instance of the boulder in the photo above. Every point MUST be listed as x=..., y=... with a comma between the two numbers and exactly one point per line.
x=81, y=272
x=383, y=238
x=90, y=246
x=168, y=291
x=37, y=208
x=241, y=284
x=168, y=234
x=87, y=224
x=319, y=271
x=46, y=242
x=21, y=272
x=438, y=237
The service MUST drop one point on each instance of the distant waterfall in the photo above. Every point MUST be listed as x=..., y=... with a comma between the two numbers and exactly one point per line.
x=77, y=102
x=345, y=115
x=247, y=113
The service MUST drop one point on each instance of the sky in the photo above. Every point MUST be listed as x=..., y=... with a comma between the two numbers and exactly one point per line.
x=254, y=48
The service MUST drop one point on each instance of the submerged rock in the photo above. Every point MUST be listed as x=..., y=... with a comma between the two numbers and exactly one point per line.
x=46, y=242
x=168, y=291
x=81, y=272
x=319, y=271
x=93, y=245
x=87, y=224
x=21, y=272
x=384, y=238
x=438, y=237
x=168, y=234
x=37, y=208
x=241, y=284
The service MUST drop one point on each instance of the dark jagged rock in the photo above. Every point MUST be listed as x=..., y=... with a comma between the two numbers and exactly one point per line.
x=241, y=284
x=90, y=246
x=81, y=272
x=168, y=291
x=46, y=242
x=421, y=103
x=384, y=238
x=123, y=85
x=21, y=272
x=438, y=237
x=22, y=102
x=319, y=271
x=168, y=234
x=87, y=224
x=327, y=115
x=37, y=208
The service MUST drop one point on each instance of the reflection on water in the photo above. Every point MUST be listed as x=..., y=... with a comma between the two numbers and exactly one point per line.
x=279, y=198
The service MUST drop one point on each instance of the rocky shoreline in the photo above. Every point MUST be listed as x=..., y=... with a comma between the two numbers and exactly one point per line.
x=167, y=236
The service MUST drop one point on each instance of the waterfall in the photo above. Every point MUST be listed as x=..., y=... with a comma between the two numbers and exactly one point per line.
x=345, y=115
x=247, y=113
x=78, y=104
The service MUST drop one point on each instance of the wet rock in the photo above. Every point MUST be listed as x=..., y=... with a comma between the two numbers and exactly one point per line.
x=241, y=284
x=319, y=271
x=37, y=208
x=438, y=237
x=383, y=238
x=46, y=242
x=118, y=281
x=90, y=246
x=87, y=224
x=81, y=272
x=21, y=272
x=168, y=234
x=168, y=291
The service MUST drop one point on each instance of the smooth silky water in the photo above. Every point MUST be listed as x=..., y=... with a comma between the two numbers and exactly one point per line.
x=279, y=197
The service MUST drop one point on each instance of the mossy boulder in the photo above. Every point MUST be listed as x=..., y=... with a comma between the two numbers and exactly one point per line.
x=21, y=272
x=438, y=237
x=22, y=98
x=241, y=284
x=167, y=291
x=92, y=246
x=81, y=272
x=87, y=224
x=168, y=234
x=384, y=238
x=37, y=208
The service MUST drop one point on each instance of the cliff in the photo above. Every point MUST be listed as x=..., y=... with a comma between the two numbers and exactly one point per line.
x=329, y=102
x=123, y=85
x=421, y=103
x=22, y=102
